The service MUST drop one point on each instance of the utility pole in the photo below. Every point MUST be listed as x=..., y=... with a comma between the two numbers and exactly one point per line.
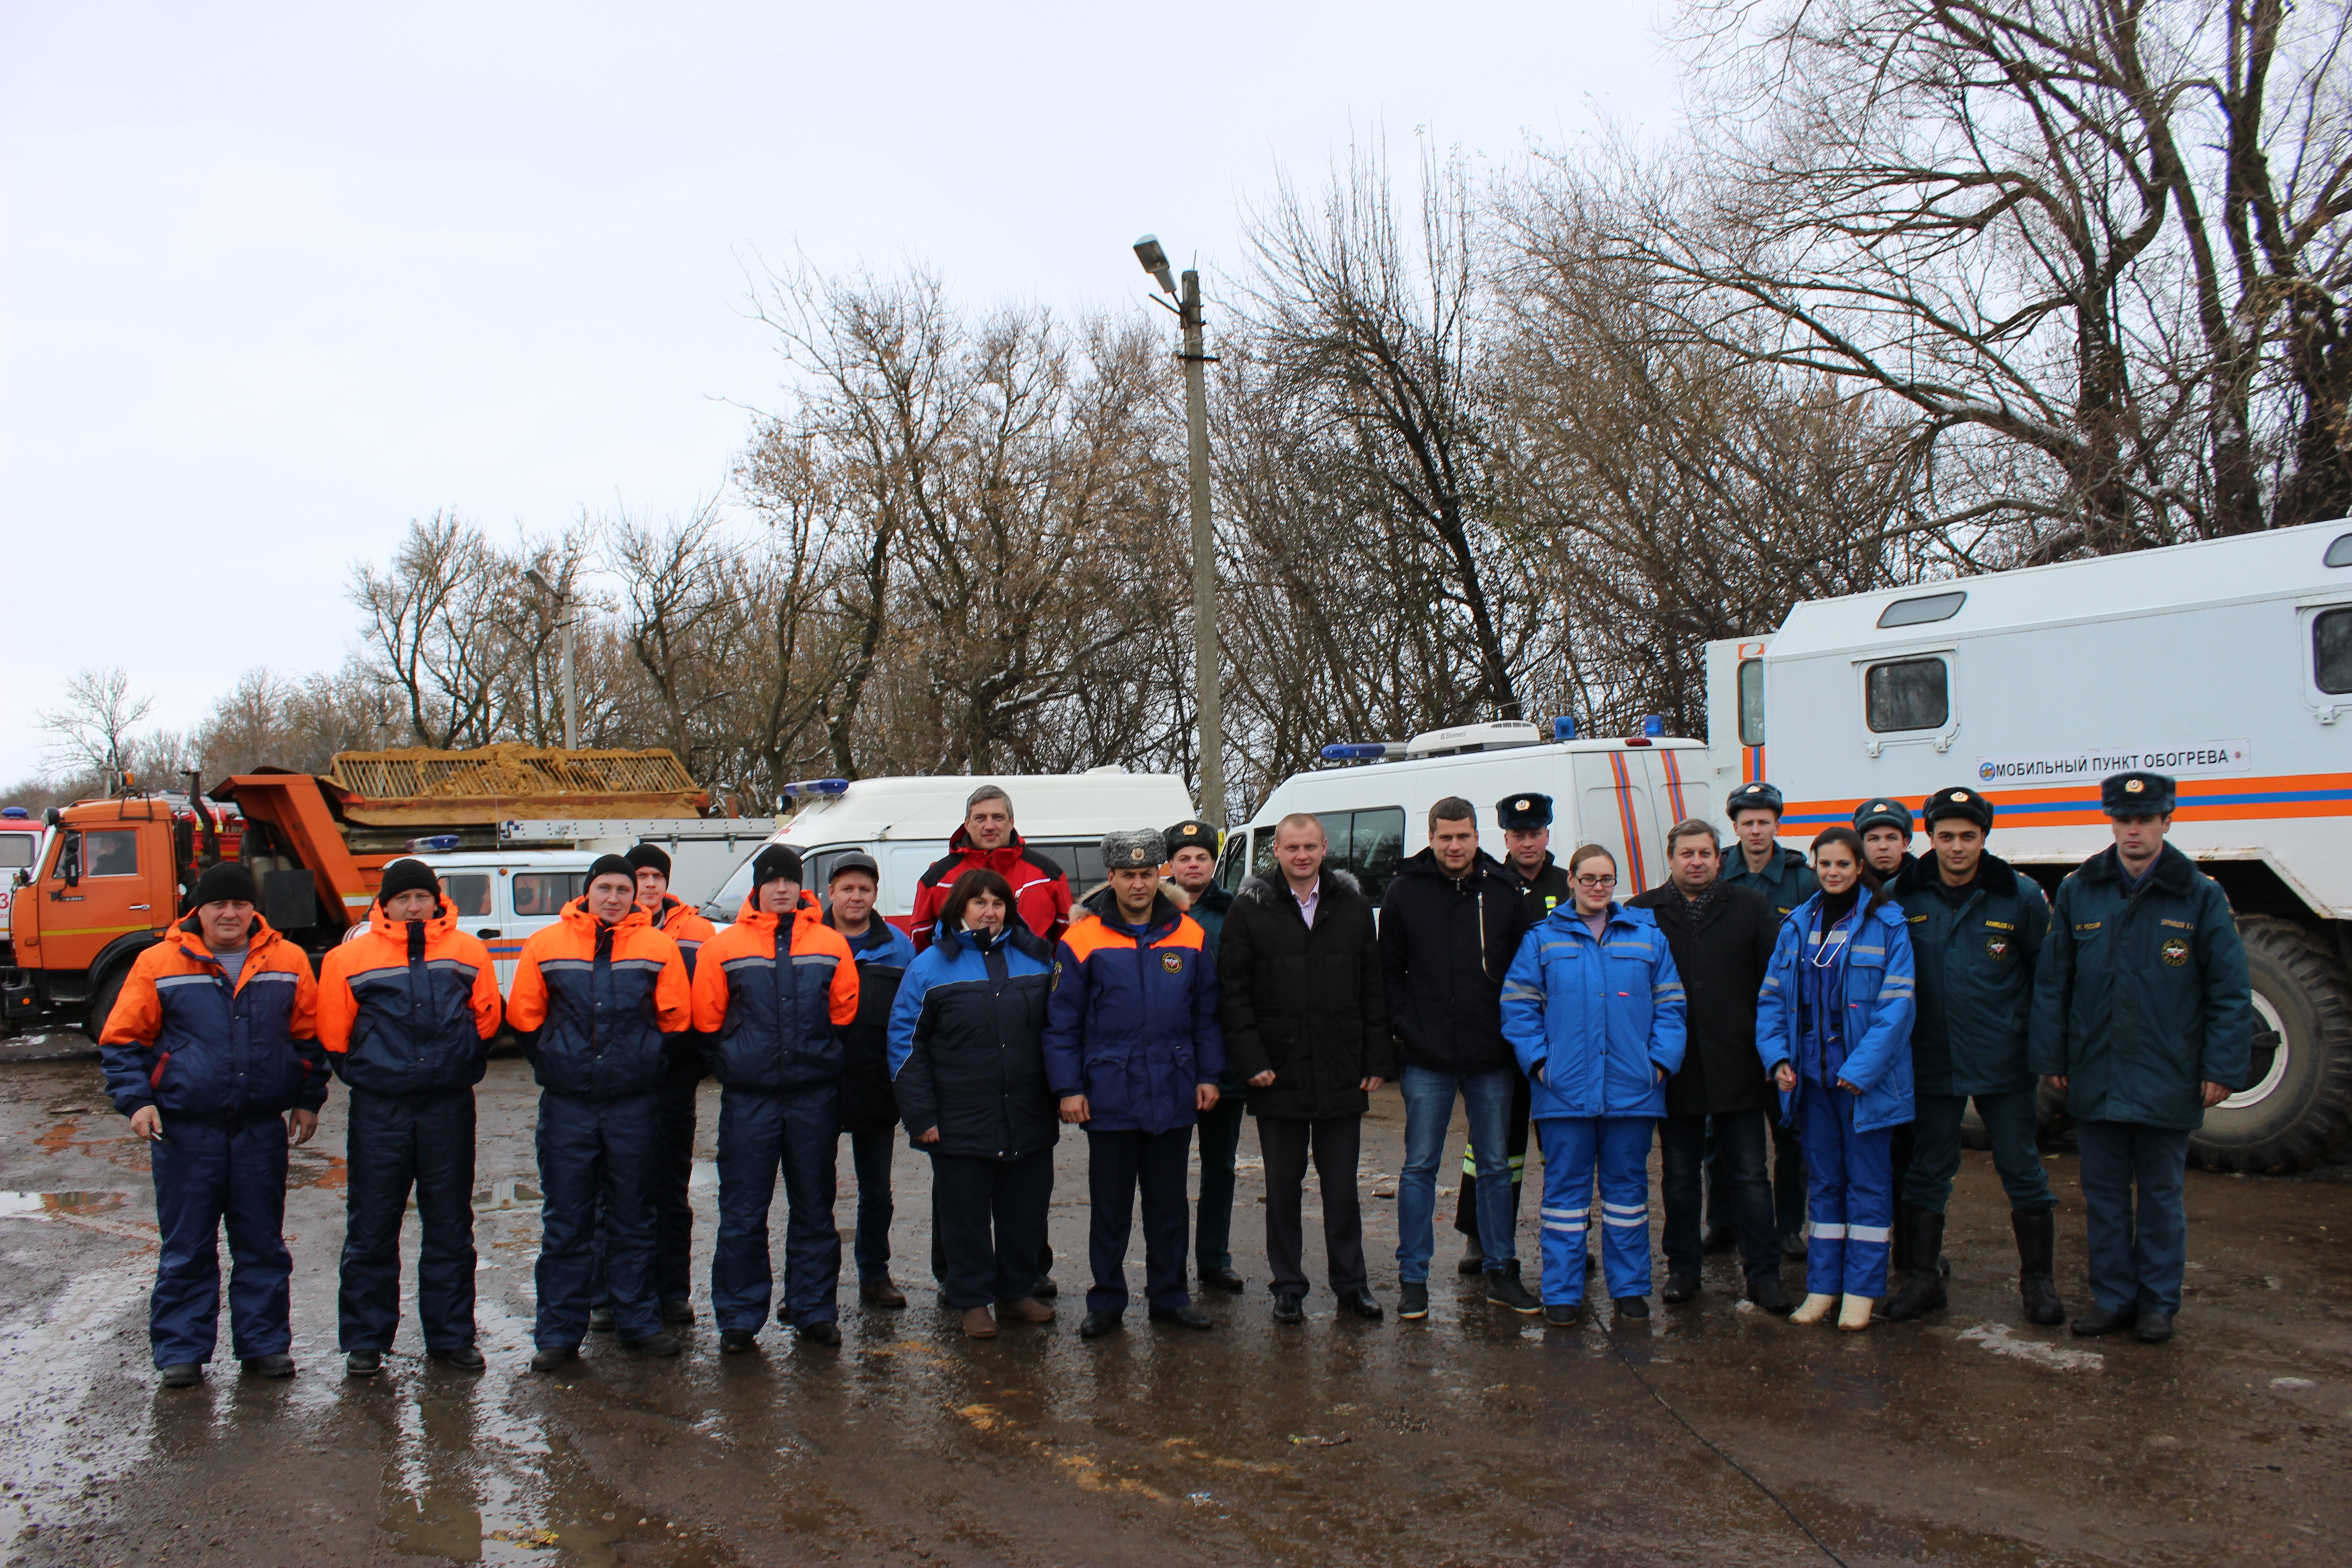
x=1206, y=652
x=1205, y=662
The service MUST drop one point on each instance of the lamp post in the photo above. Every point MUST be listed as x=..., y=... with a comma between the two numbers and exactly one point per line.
x=563, y=598
x=1207, y=696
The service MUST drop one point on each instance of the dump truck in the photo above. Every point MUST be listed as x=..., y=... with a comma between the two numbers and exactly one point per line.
x=114, y=872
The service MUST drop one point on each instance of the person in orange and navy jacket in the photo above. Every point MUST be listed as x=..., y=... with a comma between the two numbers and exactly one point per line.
x=406, y=1013
x=1133, y=1051
x=1040, y=893
x=601, y=999
x=212, y=1052
x=673, y=1147
x=773, y=994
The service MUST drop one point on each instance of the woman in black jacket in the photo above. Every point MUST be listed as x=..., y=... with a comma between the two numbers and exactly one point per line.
x=968, y=1063
x=1307, y=1031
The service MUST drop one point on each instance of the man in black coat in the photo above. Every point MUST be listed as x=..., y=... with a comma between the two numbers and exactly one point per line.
x=870, y=1109
x=1449, y=929
x=1307, y=1031
x=1721, y=937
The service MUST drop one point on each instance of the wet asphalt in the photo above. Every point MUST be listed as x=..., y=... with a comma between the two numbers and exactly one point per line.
x=1711, y=1433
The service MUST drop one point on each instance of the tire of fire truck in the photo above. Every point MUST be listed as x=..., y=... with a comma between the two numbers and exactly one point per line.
x=2294, y=1111
x=2051, y=1122
x=101, y=1001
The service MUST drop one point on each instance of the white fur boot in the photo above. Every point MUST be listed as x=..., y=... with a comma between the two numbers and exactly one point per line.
x=1854, y=1315
x=1816, y=1309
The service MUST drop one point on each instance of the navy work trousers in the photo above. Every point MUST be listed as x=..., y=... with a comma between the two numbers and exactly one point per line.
x=869, y=1157
x=993, y=1224
x=1221, y=1143
x=2010, y=1123
x=1117, y=1164
x=208, y=1172
x=595, y=1152
x=1738, y=1139
x=396, y=1142
x=2139, y=1251
x=673, y=1269
x=799, y=1131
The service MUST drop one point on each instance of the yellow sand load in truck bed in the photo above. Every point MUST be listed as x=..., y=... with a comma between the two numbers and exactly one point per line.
x=489, y=786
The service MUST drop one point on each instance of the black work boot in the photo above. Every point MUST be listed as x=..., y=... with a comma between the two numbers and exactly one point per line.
x=1923, y=1285
x=2037, y=1238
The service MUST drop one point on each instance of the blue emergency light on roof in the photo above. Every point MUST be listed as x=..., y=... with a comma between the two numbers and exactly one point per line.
x=1564, y=727
x=1655, y=725
x=15, y=814
x=438, y=844
x=816, y=787
x=1356, y=752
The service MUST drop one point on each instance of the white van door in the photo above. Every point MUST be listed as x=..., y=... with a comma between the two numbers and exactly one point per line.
x=1616, y=810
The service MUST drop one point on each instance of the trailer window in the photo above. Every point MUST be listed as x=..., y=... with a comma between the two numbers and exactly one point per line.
x=111, y=854
x=2339, y=550
x=2331, y=651
x=469, y=891
x=546, y=893
x=1923, y=611
x=1751, y=701
x=1909, y=694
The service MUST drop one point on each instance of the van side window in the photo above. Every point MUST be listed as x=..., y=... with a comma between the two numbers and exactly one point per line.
x=1233, y=865
x=469, y=891
x=546, y=893
x=2331, y=651
x=1907, y=694
x=1368, y=844
x=1262, y=852
x=1751, y=701
x=111, y=854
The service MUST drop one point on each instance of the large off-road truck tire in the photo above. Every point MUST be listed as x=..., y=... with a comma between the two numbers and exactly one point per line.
x=2292, y=1112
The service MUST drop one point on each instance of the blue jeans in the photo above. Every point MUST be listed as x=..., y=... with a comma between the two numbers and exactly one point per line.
x=1850, y=1201
x=2137, y=1252
x=1428, y=1111
x=1572, y=1147
x=1738, y=1140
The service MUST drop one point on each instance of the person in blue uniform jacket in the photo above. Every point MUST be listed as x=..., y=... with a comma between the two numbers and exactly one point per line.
x=1833, y=1027
x=1594, y=1010
x=2143, y=1017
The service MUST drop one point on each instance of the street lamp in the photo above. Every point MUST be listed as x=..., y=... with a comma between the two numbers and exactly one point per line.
x=563, y=598
x=1154, y=258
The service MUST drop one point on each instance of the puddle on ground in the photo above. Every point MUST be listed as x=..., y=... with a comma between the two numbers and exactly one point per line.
x=42, y=1205
x=575, y=1522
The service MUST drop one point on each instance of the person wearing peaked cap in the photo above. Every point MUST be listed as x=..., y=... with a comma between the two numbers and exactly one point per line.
x=1886, y=829
x=212, y=1052
x=869, y=1106
x=674, y=1149
x=406, y=1014
x=1528, y=864
x=1978, y=927
x=1191, y=852
x=2143, y=1017
x=1760, y=862
x=601, y=999
x=1133, y=1053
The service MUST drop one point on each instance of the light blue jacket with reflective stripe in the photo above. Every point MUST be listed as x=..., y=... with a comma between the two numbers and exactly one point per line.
x=1881, y=1000
x=1597, y=1024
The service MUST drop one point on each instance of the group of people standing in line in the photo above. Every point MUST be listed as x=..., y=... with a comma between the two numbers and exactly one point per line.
x=1840, y=1011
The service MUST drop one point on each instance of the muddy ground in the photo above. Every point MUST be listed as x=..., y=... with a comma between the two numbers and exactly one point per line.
x=1710, y=1434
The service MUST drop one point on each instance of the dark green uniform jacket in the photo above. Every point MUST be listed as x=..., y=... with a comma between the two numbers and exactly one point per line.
x=1975, y=963
x=2140, y=999
x=1787, y=881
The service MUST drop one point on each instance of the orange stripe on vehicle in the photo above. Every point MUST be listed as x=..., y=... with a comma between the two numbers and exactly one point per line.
x=1626, y=821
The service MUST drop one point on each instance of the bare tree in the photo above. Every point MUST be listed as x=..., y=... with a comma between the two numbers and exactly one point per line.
x=91, y=732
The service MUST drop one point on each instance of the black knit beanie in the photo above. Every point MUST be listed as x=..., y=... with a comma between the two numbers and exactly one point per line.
x=227, y=882
x=408, y=877
x=649, y=858
x=611, y=866
x=776, y=860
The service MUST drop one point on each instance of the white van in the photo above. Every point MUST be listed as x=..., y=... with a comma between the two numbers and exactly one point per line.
x=1374, y=800
x=503, y=896
x=906, y=823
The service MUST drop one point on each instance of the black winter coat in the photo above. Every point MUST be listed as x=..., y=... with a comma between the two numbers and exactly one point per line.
x=1722, y=961
x=1446, y=947
x=1308, y=1003
x=867, y=1102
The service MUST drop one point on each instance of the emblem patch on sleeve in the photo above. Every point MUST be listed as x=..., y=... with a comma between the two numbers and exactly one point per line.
x=2174, y=952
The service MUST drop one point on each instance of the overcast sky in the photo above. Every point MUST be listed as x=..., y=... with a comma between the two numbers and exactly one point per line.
x=276, y=280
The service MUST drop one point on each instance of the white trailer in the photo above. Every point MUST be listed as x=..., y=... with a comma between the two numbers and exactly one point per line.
x=703, y=850
x=2225, y=664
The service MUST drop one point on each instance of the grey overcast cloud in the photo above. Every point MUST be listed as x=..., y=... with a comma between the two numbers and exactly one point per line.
x=275, y=280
